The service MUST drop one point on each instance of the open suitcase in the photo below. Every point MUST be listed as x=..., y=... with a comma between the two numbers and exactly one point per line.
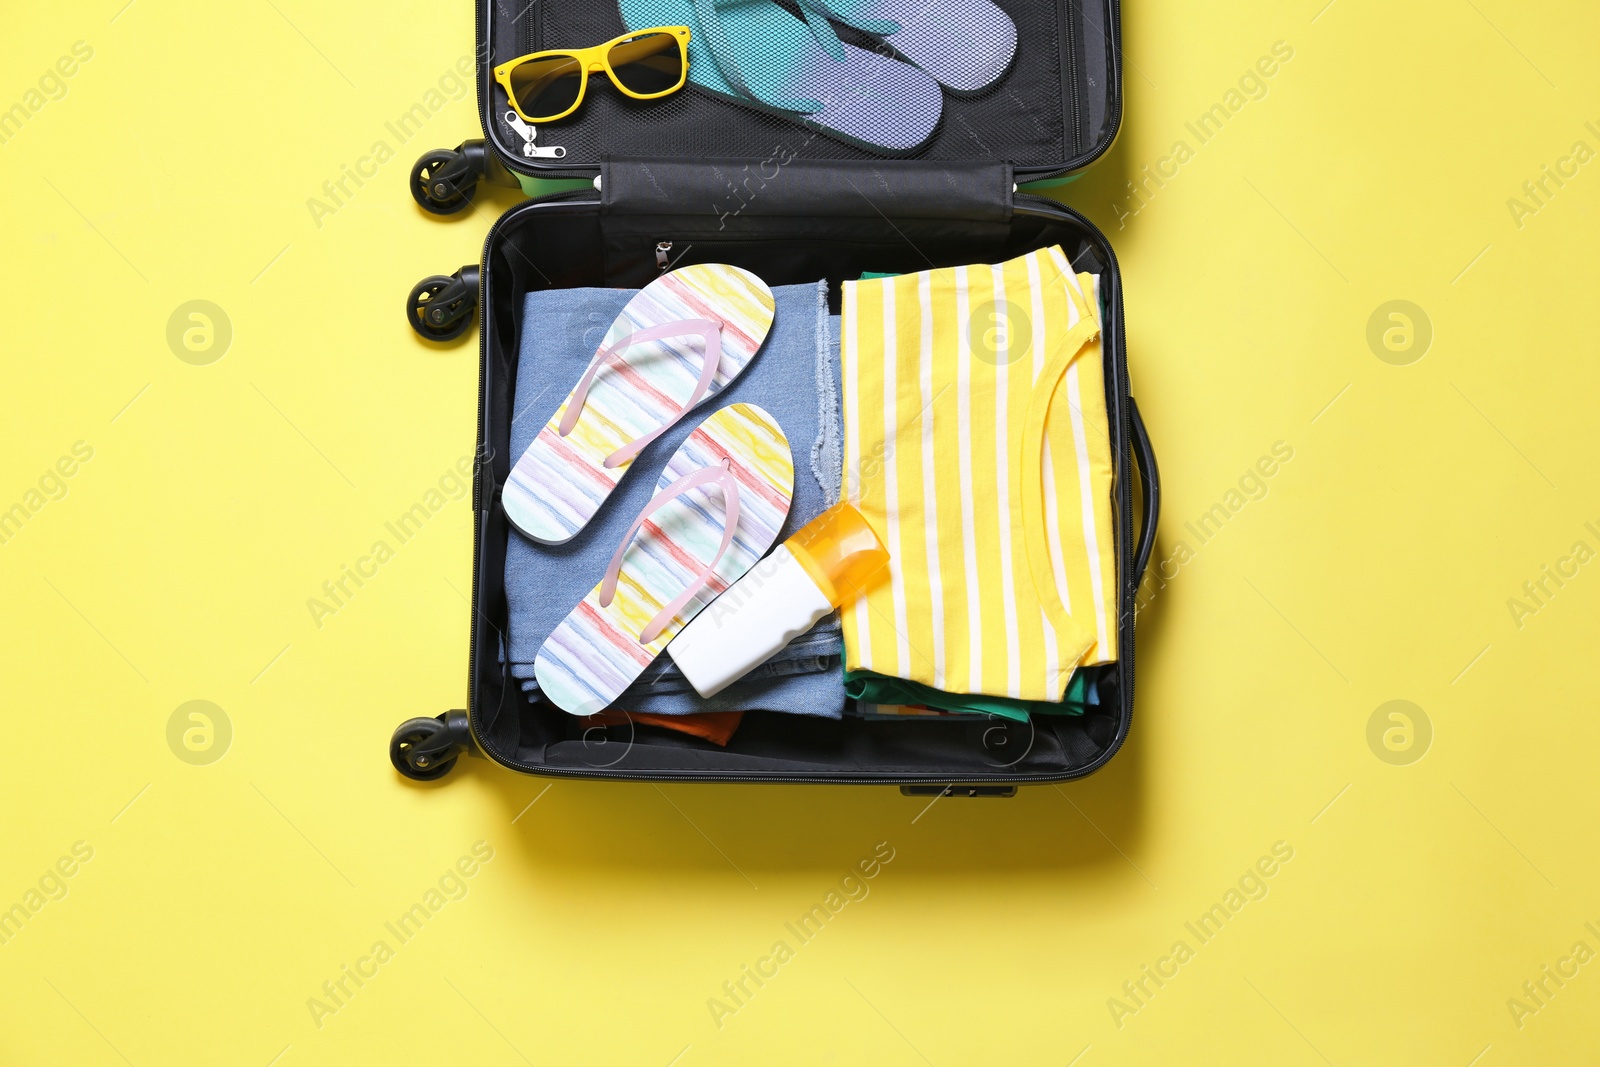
x=696, y=179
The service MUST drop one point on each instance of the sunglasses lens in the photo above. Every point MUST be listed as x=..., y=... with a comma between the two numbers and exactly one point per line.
x=649, y=64
x=547, y=86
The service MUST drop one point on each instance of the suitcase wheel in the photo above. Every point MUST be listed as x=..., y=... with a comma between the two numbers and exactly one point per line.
x=443, y=182
x=440, y=308
x=426, y=749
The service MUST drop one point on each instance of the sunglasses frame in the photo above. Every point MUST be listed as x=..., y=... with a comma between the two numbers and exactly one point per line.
x=589, y=61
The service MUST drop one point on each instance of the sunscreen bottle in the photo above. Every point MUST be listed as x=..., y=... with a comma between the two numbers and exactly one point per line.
x=832, y=560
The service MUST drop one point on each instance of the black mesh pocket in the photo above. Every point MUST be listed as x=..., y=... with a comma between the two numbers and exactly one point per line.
x=1026, y=118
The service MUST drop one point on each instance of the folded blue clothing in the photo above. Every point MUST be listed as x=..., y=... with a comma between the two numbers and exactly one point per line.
x=795, y=377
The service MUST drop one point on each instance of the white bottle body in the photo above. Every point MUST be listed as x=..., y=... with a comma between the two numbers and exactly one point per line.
x=775, y=602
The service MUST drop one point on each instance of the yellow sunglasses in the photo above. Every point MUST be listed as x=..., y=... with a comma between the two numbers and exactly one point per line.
x=646, y=64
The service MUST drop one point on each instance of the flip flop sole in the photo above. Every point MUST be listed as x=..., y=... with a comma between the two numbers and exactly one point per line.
x=595, y=652
x=559, y=482
x=966, y=45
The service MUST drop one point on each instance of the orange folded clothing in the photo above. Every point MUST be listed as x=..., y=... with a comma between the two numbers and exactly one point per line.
x=714, y=726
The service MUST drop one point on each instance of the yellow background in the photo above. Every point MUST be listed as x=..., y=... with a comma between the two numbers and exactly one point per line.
x=1378, y=566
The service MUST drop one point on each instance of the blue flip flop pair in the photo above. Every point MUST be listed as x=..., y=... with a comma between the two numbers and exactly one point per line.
x=756, y=53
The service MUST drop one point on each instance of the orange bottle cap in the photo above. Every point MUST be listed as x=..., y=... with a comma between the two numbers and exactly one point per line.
x=841, y=553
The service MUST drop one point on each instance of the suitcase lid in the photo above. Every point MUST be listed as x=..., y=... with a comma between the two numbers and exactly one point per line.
x=1055, y=110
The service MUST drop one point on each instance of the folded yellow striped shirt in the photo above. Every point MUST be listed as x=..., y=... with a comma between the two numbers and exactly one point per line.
x=976, y=444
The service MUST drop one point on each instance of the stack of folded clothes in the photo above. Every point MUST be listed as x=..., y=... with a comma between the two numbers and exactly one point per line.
x=962, y=412
x=977, y=447
x=794, y=378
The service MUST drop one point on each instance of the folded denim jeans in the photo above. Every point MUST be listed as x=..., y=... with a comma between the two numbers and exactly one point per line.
x=795, y=377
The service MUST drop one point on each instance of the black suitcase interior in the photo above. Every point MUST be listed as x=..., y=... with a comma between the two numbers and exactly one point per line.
x=681, y=182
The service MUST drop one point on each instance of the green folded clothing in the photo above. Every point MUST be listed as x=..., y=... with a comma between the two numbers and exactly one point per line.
x=871, y=688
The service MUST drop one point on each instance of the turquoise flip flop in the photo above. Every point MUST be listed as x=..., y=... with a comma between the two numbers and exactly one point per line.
x=755, y=53
x=965, y=44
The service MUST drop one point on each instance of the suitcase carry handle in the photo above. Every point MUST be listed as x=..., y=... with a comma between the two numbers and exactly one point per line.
x=1144, y=457
x=806, y=188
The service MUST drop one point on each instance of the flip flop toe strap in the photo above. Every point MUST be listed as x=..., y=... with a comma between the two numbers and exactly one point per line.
x=709, y=329
x=724, y=478
x=720, y=44
x=832, y=9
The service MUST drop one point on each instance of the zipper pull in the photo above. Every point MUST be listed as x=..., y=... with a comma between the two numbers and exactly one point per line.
x=528, y=134
x=662, y=248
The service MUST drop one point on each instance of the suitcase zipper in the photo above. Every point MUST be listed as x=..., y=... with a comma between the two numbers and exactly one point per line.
x=529, y=134
x=1113, y=34
x=1072, y=77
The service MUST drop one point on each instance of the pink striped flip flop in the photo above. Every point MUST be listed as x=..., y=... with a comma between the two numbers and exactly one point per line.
x=681, y=339
x=717, y=509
